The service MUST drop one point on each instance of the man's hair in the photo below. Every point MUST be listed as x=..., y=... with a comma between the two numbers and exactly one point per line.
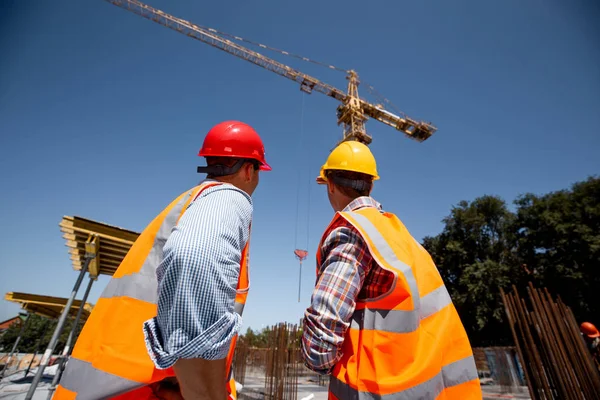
x=352, y=184
x=228, y=162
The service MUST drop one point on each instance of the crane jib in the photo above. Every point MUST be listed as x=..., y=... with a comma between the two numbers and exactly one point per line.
x=353, y=111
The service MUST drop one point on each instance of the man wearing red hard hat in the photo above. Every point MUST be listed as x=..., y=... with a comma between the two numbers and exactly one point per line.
x=591, y=336
x=166, y=325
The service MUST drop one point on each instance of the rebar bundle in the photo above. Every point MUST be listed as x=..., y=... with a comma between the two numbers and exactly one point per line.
x=556, y=362
x=240, y=360
x=283, y=365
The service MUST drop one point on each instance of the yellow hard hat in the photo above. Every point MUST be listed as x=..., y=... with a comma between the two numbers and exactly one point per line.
x=350, y=156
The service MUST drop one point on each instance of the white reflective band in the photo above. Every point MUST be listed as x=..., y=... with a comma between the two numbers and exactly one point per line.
x=397, y=321
x=401, y=321
x=137, y=286
x=453, y=374
x=435, y=301
x=239, y=308
x=155, y=256
x=91, y=383
x=143, y=284
x=388, y=255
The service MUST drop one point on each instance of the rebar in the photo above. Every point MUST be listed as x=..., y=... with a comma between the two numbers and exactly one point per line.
x=555, y=360
x=282, y=369
x=240, y=360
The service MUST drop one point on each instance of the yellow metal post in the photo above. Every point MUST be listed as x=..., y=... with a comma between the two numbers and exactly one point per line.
x=92, y=245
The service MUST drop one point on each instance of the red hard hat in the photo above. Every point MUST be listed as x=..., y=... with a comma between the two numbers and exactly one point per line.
x=234, y=139
x=589, y=330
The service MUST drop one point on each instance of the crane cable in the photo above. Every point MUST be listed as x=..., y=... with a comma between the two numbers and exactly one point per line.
x=264, y=46
x=369, y=87
x=309, y=184
x=299, y=152
x=380, y=98
x=301, y=146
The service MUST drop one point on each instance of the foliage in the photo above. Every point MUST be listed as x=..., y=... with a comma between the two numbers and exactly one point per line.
x=559, y=242
x=553, y=240
x=261, y=339
x=475, y=258
x=37, y=334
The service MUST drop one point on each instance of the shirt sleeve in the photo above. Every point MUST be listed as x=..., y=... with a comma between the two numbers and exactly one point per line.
x=333, y=300
x=198, y=278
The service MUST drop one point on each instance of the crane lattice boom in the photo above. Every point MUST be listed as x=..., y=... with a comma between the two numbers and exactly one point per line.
x=352, y=113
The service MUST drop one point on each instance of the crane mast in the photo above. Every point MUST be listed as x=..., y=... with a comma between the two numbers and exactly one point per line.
x=353, y=111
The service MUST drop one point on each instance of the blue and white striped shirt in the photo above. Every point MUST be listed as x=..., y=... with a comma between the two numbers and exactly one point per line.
x=197, y=279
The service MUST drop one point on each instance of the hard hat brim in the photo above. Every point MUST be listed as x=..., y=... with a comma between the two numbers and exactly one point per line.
x=265, y=167
x=375, y=177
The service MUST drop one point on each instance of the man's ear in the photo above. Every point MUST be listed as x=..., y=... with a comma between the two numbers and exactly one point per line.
x=248, y=171
x=330, y=187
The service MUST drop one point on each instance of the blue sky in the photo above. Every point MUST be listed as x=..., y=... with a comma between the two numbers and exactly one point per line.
x=102, y=113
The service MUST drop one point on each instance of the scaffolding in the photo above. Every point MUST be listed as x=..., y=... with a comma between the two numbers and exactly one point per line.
x=45, y=306
x=97, y=249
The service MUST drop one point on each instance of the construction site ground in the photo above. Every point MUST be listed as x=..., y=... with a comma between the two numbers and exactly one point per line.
x=310, y=389
x=16, y=385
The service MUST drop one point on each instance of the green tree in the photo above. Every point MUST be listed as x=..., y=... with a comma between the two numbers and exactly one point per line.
x=249, y=337
x=552, y=240
x=558, y=237
x=262, y=338
x=254, y=339
x=37, y=328
x=475, y=256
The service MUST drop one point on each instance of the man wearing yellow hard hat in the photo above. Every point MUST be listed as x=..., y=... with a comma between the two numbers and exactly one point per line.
x=381, y=322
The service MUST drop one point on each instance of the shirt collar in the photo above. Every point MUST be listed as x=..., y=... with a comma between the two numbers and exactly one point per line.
x=361, y=202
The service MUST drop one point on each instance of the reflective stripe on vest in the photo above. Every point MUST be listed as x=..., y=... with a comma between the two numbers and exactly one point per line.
x=239, y=308
x=453, y=374
x=400, y=321
x=408, y=343
x=88, y=381
x=105, y=363
x=143, y=284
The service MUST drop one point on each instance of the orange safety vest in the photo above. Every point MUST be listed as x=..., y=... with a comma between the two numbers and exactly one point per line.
x=110, y=357
x=408, y=343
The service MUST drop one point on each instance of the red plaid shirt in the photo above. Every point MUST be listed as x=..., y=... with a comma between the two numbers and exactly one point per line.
x=348, y=273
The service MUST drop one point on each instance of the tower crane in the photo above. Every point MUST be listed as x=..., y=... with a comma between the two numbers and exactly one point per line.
x=353, y=111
